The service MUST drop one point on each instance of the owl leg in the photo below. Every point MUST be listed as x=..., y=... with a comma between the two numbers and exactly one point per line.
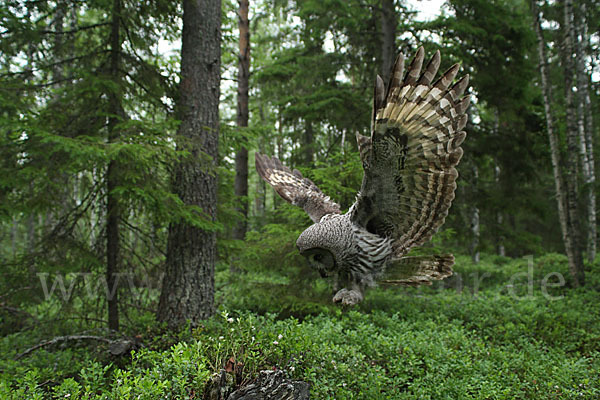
x=336, y=282
x=349, y=297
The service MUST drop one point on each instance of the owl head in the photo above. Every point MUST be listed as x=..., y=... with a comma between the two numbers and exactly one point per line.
x=311, y=244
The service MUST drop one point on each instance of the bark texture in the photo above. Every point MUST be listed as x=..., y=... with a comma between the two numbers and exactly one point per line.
x=260, y=199
x=585, y=128
x=241, y=156
x=113, y=212
x=552, y=138
x=499, y=215
x=475, y=228
x=309, y=146
x=188, y=286
x=573, y=223
x=57, y=25
x=561, y=190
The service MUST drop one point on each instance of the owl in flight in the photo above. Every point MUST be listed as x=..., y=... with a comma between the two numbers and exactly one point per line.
x=409, y=164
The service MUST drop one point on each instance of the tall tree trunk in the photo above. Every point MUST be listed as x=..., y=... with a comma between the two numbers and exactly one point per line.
x=260, y=199
x=561, y=197
x=96, y=215
x=14, y=226
x=113, y=213
x=552, y=136
x=279, y=145
x=241, y=157
x=585, y=129
x=309, y=145
x=188, y=285
x=499, y=217
x=31, y=239
x=389, y=22
x=501, y=250
x=475, y=227
x=573, y=223
x=57, y=25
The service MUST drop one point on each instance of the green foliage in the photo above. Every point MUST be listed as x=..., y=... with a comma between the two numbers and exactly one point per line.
x=56, y=140
x=479, y=340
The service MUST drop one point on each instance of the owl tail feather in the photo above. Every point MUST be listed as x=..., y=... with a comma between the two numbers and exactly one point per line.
x=417, y=270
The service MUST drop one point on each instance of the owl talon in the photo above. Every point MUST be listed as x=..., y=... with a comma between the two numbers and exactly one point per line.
x=339, y=295
x=348, y=297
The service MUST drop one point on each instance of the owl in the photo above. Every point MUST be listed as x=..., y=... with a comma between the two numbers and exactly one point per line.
x=409, y=164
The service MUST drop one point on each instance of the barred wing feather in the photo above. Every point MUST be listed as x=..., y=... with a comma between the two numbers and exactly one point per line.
x=417, y=270
x=294, y=188
x=410, y=159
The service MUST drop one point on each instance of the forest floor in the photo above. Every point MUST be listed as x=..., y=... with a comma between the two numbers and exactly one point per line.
x=500, y=329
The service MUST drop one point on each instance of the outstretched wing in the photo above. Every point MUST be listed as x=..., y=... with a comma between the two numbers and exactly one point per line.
x=294, y=188
x=410, y=161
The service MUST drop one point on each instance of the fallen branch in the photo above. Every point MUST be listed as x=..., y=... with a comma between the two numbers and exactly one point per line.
x=62, y=339
x=16, y=311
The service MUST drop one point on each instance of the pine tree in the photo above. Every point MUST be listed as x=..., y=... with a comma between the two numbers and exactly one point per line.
x=241, y=156
x=188, y=286
x=88, y=144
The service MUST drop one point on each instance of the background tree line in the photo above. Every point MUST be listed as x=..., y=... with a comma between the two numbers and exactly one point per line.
x=116, y=161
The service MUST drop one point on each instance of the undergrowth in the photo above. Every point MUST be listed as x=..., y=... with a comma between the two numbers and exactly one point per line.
x=494, y=331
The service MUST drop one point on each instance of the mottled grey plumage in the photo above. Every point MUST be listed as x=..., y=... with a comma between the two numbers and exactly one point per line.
x=408, y=186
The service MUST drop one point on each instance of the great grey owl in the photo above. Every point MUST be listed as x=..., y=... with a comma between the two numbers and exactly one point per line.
x=408, y=185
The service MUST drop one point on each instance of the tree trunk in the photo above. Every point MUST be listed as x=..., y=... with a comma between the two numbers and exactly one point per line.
x=188, y=285
x=113, y=212
x=552, y=138
x=31, y=239
x=57, y=25
x=585, y=129
x=14, y=226
x=261, y=195
x=499, y=217
x=97, y=215
x=309, y=152
x=389, y=22
x=475, y=228
x=279, y=145
x=241, y=157
x=573, y=223
x=112, y=246
x=260, y=199
x=501, y=250
x=561, y=196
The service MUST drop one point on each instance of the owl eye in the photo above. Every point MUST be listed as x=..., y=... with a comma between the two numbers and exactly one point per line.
x=318, y=257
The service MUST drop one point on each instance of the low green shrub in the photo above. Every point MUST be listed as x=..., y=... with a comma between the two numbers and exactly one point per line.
x=401, y=343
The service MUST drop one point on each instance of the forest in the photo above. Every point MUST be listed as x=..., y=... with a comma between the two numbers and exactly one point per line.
x=143, y=257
